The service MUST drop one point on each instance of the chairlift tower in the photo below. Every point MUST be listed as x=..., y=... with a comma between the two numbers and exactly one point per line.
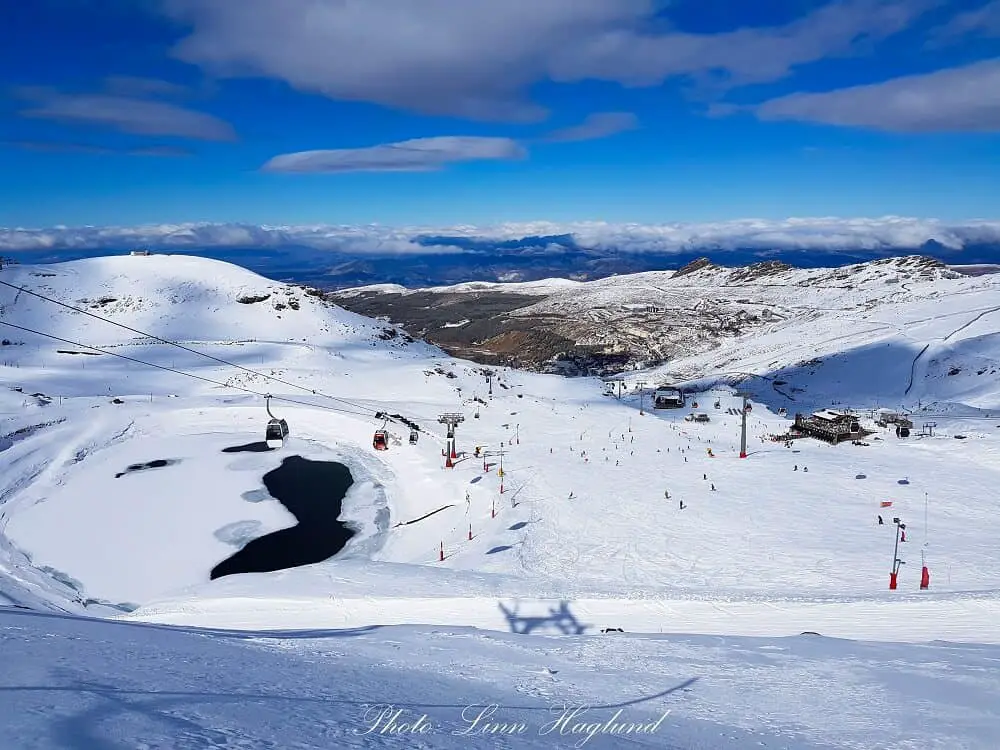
x=896, y=562
x=639, y=386
x=451, y=420
x=743, y=426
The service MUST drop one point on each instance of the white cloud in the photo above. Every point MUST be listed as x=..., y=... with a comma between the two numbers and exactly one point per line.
x=597, y=125
x=129, y=114
x=959, y=99
x=416, y=155
x=816, y=234
x=477, y=58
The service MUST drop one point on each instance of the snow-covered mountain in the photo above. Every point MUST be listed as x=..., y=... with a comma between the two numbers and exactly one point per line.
x=706, y=320
x=182, y=297
x=123, y=485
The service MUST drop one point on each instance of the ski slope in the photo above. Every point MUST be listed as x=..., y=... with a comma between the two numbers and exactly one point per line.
x=91, y=684
x=582, y=535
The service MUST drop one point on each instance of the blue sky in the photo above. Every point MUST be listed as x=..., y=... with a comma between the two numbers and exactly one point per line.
x=124, y=112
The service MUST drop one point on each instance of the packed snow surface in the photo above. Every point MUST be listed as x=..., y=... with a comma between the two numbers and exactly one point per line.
x=118, y=496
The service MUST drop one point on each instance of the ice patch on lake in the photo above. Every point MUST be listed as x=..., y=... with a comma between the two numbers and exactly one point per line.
x=238, y=533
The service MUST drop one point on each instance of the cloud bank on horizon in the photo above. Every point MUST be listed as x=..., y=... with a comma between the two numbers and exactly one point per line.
x=889, y=234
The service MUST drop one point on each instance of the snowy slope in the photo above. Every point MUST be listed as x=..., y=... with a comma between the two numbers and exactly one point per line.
x=942, y=350
x=93, y=684
x=582, y=520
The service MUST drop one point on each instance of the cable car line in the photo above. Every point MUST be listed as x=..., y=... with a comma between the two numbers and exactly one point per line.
x=181, y=372
x=275, y=427
x=180, y=346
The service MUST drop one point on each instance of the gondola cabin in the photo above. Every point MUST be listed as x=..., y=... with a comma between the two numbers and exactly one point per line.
x=414, y=436
x=380, y=441
x=276, y=430
x=275, y=433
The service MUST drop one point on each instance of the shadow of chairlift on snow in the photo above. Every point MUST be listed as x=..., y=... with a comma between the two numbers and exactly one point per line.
x=559, y=619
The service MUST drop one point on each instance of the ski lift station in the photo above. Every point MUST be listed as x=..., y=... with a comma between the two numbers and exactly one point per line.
x=886, y=417
x=668, y=397
x=830, y=425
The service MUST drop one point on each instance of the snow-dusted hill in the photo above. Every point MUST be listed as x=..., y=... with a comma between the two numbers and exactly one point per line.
x=182, y=297
x=577, y=535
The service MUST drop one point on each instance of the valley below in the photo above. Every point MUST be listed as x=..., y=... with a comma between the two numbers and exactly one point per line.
x=639, y=320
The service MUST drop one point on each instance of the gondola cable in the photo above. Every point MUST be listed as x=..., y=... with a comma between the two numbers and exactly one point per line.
x=181, y=372
x=314, y=392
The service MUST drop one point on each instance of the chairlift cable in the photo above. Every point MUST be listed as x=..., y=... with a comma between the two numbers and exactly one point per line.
x=312, y=391
x=180, y=372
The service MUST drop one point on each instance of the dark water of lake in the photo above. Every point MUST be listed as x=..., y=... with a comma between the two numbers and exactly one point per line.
x=313, y=492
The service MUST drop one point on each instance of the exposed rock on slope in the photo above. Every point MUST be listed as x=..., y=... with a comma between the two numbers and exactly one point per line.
x=637, y=320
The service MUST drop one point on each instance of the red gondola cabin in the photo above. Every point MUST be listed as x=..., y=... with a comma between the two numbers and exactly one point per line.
x=381, y=440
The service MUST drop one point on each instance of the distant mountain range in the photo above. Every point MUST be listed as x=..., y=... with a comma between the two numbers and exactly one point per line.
x=337, y=257
x=508, y=261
